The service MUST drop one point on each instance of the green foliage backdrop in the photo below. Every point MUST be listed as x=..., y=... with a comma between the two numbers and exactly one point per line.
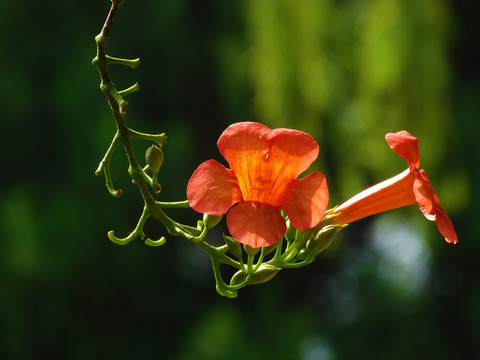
x=345, y=71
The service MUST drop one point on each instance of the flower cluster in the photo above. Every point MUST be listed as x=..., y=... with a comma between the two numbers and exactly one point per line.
x=261, y=188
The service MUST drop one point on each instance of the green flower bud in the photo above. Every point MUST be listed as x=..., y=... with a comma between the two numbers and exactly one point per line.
x=211, y=220
x=323, y=239
x=238, y=278
x=154, y=158
x=264, y=273
x=233, y=246
x=302, y=255
x=290, y=234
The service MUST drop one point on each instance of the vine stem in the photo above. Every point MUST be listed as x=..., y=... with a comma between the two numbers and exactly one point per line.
x=124, y=135
x=117, y=104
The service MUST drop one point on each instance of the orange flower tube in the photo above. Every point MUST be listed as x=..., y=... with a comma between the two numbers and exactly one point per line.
x=407, y=188
x=390, y=194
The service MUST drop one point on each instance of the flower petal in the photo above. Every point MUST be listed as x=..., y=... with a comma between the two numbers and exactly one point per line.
x=256, y=224
x=244, y=146
x=306, y=200
x=445, y=226
x=405, y=145
x=265, y=161
x=213, y=189
x=291, y=153
x=423, y=191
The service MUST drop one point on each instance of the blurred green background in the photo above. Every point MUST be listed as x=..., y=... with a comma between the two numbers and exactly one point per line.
x=346, y=71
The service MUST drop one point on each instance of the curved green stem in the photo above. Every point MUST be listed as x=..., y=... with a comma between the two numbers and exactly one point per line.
x=152, y=182
x=249, y=268
x=285, y=265
x=109, y=182
x=155, y=243
x=133, y=63
x=172, y=227
x=202, y=235
x=137, y=233
x=108, y=154
x=217, y=256
x=278, y=251
x=131, y=89
x=294, y=247
x=260, y=260
x=175, y=204
x=221, y=287
x=159, y=139
x=105, y=167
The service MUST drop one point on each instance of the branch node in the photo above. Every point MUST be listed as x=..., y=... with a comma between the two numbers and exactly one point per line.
x=123, y=107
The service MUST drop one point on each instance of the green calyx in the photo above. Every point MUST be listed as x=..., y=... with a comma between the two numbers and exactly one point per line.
x=233, y=246
x=323, y=239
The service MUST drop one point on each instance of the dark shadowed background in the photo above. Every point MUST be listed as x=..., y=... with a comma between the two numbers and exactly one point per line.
x=345, y=71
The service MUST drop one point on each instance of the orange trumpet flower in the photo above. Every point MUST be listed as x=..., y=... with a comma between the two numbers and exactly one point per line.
x=262, y=179
x=407, y=188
